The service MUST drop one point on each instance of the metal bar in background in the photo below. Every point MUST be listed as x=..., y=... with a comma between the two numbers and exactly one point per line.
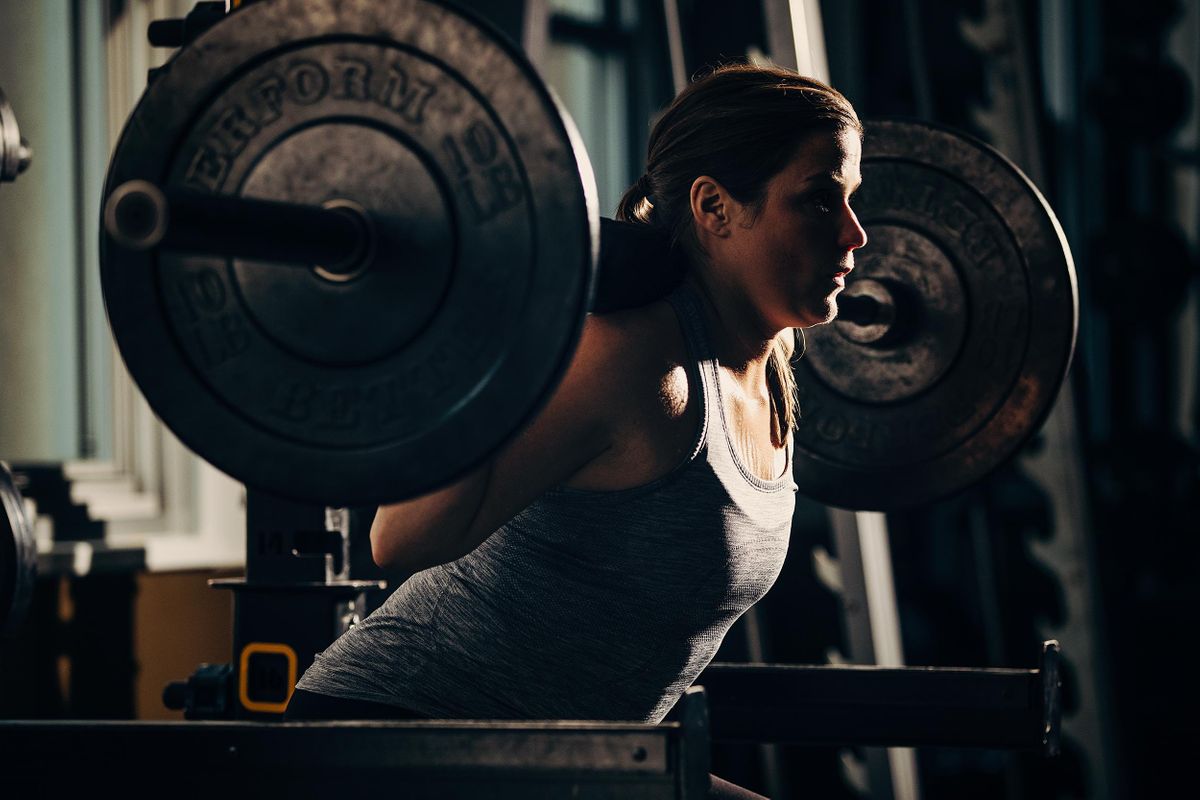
x=429, y=759
x=777, y=16
x=86, y=443
x=535, y=31
x=922, y=86
x=872, y=629
x=875, y=544
x=887, y=706
x=759, y=651
x=875, y=547
x=679, y=78
x=872, y=773
x=796, y=36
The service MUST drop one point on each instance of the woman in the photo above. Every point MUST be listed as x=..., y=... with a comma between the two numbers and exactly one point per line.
x=591, y=569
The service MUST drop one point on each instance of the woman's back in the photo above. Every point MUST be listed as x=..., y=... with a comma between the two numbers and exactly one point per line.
x=591, y=604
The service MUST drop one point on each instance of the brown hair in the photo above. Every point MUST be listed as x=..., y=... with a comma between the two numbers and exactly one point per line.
x=741, y=124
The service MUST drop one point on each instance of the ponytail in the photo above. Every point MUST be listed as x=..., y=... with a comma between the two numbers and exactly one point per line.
x=637, y=204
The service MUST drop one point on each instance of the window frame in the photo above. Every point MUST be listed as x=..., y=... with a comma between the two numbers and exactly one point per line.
x=135, y=475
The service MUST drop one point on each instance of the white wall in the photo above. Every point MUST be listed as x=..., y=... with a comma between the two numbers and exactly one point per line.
x=39, y=395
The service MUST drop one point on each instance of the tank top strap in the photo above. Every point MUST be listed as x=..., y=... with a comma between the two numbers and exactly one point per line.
x=722, y=456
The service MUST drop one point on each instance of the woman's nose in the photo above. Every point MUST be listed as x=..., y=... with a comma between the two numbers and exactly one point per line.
x=853, y=234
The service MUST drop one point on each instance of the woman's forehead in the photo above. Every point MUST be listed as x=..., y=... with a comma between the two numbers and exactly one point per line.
x=831, y=157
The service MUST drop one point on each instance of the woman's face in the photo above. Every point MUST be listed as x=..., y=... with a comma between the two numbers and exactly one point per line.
x=792, y=258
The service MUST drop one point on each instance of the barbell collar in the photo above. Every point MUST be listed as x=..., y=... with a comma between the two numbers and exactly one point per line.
x=861, y=310
x=335, y=239
x=873, y=313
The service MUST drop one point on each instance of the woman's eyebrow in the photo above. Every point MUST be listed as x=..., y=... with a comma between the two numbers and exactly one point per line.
x=829, y=179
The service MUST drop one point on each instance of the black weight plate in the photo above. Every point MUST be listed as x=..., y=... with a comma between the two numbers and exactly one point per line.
x=18, y=555
x=972, y=246
x=394, y=381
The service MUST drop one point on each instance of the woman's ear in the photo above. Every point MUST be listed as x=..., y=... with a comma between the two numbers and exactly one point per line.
x=712, y=206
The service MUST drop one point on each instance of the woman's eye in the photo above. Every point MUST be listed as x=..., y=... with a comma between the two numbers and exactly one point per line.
x=823, y=203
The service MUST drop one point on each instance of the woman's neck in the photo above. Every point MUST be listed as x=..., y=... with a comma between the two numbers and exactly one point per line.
x=739, y=338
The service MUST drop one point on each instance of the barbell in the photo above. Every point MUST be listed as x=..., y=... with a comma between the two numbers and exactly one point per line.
x=15, y=152
x=348, y=249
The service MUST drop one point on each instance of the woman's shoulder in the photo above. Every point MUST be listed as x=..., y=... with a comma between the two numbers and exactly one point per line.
x=644, y=356
x=645, y=337
x=647, y=401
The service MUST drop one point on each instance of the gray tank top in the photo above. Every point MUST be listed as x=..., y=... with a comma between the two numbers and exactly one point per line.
x=586, y=605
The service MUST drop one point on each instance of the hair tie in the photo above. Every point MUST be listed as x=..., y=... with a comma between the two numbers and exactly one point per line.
x=645, y=187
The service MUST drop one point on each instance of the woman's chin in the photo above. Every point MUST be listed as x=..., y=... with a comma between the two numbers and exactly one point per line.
x=821, y=313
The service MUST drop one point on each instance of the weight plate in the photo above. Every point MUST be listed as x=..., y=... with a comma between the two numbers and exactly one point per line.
x=380, y=385
x=972, y=259
x=18, y=555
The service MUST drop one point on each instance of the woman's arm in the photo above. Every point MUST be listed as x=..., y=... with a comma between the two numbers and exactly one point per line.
x=574, y=428
x=431, y=529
